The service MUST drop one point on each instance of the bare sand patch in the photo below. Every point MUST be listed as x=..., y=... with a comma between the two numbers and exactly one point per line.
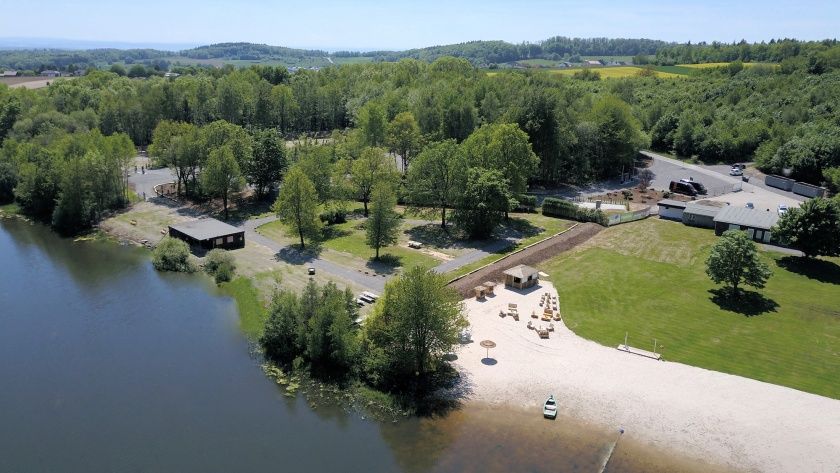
x=736, y=422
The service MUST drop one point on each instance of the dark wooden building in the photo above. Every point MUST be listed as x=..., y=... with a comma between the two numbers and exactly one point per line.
x=209, y=233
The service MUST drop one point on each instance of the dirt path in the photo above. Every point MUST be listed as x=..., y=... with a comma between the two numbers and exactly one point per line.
x=531, y=256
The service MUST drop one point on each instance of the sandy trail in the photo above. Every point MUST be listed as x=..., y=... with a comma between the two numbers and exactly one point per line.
x=728, y=420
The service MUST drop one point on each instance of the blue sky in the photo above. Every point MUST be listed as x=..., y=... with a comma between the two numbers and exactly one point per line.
x=398, y=24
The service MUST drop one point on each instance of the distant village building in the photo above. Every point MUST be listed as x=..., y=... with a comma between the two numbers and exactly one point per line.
x=594, y=63
x=50, y=73
x=209, y=233
x=171, y=74
x=9, y=73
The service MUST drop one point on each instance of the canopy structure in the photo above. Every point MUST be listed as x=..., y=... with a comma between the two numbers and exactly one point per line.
x=488, y=344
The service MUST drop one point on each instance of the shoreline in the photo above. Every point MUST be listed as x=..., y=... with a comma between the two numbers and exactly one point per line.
x=738, y=423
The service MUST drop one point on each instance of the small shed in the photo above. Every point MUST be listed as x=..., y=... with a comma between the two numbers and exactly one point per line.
x=757, y=223
x=209, y=233
x=671, y=209
x=521, y=277
x=699, y=215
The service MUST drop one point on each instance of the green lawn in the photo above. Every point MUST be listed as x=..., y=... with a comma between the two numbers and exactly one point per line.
x=350, y=238
x=648, y=278
x=251, y=310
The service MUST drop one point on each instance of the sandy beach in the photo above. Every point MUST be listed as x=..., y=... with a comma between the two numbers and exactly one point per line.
x=730, y=421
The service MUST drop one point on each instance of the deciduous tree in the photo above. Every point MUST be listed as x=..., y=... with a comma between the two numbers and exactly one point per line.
x=382, y=226
x=403, y=137
x=372, y=166
x=813, y=228
x=221, y=175
x=437, y=177
x=734, y=261
x=297, y=204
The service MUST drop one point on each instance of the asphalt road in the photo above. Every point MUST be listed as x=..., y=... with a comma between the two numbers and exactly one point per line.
x=147, y=182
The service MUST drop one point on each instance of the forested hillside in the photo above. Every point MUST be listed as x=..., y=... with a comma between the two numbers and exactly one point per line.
x=64, y=147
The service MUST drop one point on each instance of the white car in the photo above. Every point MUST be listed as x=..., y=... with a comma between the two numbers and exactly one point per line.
x=782, y=209
x=736, y=172
x=750, y=205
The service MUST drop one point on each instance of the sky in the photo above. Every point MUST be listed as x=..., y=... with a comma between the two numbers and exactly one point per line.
x=396, y=24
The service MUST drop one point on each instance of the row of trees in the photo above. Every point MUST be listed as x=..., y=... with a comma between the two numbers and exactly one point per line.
x=416, y=322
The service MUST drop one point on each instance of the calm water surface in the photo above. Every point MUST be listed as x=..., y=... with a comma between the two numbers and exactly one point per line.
x=107, y=365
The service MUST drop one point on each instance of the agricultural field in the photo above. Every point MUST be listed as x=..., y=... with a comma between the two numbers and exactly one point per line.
x=647, y=279
x=615, y=72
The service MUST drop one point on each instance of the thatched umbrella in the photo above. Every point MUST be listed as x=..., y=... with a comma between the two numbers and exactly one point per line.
x=488, y=344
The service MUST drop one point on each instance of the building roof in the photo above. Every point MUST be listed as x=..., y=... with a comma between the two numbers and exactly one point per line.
x=206, y=228
x=700, y=209
x=754, y=218
x=671, y=203
x=521, y=271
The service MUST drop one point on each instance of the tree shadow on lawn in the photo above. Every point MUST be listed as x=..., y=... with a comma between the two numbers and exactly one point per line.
x=292, y=254
x=386, y=264
x=747, y=303
x=811, y=268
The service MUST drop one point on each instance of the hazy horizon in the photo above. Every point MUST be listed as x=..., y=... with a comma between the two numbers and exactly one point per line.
x=365, y=25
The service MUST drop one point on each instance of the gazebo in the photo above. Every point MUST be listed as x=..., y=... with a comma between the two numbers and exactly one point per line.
x=521, y=277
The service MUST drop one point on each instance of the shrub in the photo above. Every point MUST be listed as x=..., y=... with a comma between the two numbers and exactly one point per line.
x=564, y=209
x=333, y=215
x=220, y=264
x=526, y=203
x=172, y=254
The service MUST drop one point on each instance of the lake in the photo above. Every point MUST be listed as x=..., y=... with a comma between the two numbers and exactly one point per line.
x=108, y=365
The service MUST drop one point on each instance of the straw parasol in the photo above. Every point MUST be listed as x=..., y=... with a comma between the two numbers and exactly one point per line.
x=488, y=344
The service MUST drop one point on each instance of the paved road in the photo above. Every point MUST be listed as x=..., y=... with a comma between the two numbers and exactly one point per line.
x=293, y=256
x=147, y=182
x=757, y=181
x=475, y=255
x=667, y=169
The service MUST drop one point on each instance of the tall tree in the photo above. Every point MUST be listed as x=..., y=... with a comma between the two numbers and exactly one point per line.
x=382, y=226
x=417, y=321
x=221, y=175
x=437, y=177
x=734, y=261
x=297, y=204
x=372, y=166
x=403, y=137
x=268, y=161
x=372, y=121
x=483, y=203
x=813, y=228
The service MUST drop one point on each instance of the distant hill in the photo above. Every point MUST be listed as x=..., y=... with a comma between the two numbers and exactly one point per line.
x=249, y=52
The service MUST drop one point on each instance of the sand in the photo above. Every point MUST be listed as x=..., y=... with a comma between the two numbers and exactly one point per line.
x=727, y=420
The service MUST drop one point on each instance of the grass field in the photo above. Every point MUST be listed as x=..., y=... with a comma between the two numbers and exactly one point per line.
x=648, y=279
x=712, y=65
x=251, y=309
x=350, y=238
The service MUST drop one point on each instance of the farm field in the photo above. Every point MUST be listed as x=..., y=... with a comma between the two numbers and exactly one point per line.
x=30, y=82
x=616, y=72
x=648, y=279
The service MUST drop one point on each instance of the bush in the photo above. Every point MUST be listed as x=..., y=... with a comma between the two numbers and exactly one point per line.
x=333, y=214
x=564, y=209
x=220, y=264
x=526, y=203
x=172, y=254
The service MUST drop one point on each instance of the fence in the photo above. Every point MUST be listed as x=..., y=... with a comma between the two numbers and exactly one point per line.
x=625, y=217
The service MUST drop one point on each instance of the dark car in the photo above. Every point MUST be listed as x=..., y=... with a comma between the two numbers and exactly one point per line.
x=700, y=188
x=683, y=188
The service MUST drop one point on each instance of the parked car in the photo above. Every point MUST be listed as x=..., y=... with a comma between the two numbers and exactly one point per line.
x=700, y=188
x=782, y=209
x=736, y=171
x=682, y=188
x=311, y=271
x=750, y=205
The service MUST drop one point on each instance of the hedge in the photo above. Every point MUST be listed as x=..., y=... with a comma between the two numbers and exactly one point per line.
x=561, y=208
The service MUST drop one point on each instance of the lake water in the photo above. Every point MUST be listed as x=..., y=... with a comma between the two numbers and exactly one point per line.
x=108, y=365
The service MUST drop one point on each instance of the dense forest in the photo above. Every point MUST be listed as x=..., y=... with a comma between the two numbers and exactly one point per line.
x=64, y=148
